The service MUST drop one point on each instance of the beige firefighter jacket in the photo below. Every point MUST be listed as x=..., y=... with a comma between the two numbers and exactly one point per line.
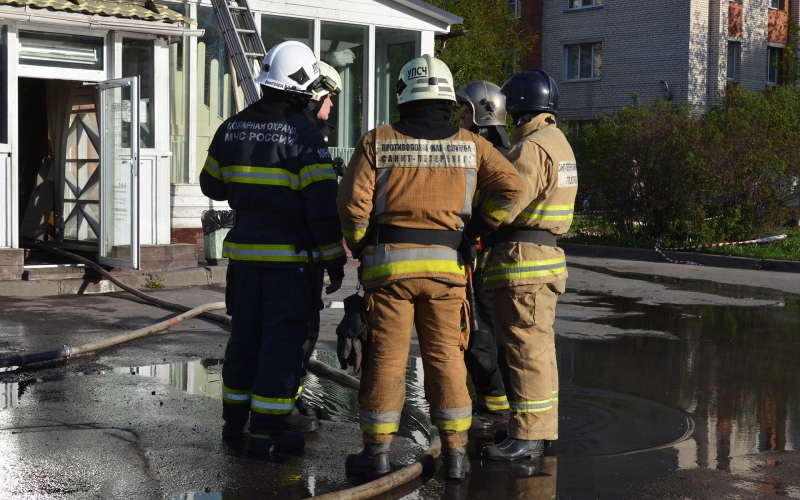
x=420, y=184
x=541, y=154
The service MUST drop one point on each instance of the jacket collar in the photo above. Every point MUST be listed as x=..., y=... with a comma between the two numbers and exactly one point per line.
x=537, y=123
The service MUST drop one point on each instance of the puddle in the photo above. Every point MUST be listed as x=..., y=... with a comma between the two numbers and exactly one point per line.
x=733, y=370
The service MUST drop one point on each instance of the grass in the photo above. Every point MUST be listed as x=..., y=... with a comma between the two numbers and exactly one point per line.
x=787, y=249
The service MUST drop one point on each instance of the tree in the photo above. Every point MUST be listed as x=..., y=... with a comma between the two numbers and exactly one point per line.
x=494, y=45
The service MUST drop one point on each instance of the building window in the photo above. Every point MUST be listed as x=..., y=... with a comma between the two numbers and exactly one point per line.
x=393, y=49
x=774, y=4
x=60, y=51
x=773, y=64
x=343, y=47
x=515, y=8
x=582, y=4
x=276, y=29
x=584, y=61
x=734, y=49
x=137, y=60
x=3, y=85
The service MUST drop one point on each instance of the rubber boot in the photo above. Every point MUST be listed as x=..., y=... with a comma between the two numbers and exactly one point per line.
x=297, y=422
x=456, y=463
x=549, y=446
x=232, y=430
x=281, y=441
x=514, y=449
x=305, y=409
x=372, y=462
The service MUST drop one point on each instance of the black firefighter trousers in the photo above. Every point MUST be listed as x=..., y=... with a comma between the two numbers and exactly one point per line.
x=270, y=309
x=481, y=355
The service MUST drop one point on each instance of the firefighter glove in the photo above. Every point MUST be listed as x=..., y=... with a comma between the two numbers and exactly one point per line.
x=352, y=333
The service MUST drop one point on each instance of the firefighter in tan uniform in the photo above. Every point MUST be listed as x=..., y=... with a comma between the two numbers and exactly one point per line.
x=526, y=270
x=404, y=202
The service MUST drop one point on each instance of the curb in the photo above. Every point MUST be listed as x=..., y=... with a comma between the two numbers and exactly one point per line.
x=710, y=260
x=198, y=276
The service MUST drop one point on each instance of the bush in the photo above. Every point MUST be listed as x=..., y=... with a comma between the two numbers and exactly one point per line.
x=660, y=172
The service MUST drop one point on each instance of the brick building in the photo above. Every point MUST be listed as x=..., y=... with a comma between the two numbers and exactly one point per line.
x=606, y=54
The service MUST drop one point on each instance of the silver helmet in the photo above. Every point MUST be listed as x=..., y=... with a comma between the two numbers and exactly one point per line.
x=487, y=102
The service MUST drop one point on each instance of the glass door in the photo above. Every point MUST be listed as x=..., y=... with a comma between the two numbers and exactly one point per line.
x=119, y=172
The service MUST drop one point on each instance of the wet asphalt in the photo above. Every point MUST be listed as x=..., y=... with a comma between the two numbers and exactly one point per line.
x=676, y=382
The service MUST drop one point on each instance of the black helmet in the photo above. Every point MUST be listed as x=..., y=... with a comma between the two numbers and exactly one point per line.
x=531, y=91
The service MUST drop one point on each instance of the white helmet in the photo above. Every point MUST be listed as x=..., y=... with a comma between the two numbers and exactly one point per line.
x=329, y=82
x=291, y=67
x=425, y=78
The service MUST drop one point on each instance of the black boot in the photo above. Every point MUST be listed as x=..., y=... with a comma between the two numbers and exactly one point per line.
x=456, y=463
x=232, y=430
x=514, y=449
x=305, y=409
x=372, y=462
x=297, y=422
x=549, y=446
x=281, y=441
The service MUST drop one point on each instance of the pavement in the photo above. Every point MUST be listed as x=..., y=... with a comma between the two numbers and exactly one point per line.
x=676, y=382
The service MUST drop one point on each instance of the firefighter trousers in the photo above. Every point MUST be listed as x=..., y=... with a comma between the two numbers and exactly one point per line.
x=524, y=318
x=270, y=310
x=481, y=355
x=313, y=328
x=440, y=313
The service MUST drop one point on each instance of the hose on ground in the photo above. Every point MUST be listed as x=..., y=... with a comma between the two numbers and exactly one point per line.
x=424, y=463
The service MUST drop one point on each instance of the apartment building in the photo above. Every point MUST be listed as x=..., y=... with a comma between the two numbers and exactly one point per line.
x=606, y=54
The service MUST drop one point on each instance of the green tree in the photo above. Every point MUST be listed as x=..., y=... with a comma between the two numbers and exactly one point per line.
x=495, y=43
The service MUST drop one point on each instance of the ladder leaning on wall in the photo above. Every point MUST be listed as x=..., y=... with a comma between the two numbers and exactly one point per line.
x=244, y=43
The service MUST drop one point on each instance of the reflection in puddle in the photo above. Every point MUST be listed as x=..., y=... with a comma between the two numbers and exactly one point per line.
x=734, y=370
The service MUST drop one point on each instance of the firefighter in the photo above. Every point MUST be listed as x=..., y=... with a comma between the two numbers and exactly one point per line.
x=404, y=201
x=305, y=418
x=526, y=270
x=273, y=167
x=483, y=111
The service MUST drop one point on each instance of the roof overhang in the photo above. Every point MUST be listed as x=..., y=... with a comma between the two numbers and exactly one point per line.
x=431, y=11
x=99, y=22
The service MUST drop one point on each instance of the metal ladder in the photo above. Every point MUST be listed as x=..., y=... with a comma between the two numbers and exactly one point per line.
x=244, y=44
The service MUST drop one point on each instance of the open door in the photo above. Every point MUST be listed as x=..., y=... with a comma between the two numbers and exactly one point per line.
x=119, y=172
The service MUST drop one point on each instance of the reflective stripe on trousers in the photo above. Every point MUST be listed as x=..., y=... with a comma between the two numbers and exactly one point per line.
x=236, y=397
x=452, y=419
x=379, y=423
x=272, y=406
x=526, y=269
x=266, y=252
x=383, y=264
x=493, y=403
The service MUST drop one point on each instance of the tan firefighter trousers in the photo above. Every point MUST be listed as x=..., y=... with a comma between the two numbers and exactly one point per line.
x=524, y=318
x=439, y=312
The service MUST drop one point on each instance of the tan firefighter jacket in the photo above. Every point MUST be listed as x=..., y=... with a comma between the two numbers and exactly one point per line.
x=420, y=184
x=544, y=158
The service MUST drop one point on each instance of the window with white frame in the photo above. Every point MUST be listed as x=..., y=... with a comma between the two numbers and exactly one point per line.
x=584, y=61
x=774, y=4
x=3, y=85
x=515, y=8
x=582, y=4
x=774, y=56
x=734, y=49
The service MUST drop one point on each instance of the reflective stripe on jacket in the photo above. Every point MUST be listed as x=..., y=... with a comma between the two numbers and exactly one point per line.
x=544, y=158
x=269, y=158
x=421, y=184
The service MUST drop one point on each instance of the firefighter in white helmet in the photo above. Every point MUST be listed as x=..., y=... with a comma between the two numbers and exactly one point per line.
x=404, y=201
x=273, y=167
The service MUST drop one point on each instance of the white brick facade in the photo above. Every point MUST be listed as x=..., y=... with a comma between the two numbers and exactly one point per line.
x=649, y=46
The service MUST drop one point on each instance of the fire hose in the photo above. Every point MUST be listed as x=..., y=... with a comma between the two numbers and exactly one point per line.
x=424, y=463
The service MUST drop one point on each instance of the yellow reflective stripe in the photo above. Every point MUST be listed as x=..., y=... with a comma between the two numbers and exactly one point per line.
x=459, y=425
x=494, y=211
x=212, y=167
x=272, y=406
x=548, y=212
x=264, y=252
x=260, y=436
x=526, y=269
x=332, y=251
x=316, y=172
x=493, y=402
x=271, y=176
x=354, y=236
x=378, y=428
x=531, y=406
x=555, y=395
x=235, y=396
x=412, y=266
